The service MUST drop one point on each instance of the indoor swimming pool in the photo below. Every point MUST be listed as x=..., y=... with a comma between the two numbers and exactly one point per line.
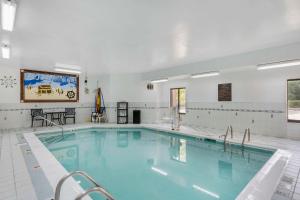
x=138, y=163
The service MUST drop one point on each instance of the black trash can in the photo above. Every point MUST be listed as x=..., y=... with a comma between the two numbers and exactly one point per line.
x=136, y=117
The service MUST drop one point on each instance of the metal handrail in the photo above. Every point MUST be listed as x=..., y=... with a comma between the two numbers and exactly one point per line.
x=175, y=118
x=229, y=128
x=51, y=122
x=87, y=177
x=247, y=132
x=95, y=189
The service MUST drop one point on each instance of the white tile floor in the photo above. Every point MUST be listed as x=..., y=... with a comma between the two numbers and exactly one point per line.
x=15, y=181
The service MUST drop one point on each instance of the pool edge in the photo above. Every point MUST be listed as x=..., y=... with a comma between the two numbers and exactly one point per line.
x=261, y=186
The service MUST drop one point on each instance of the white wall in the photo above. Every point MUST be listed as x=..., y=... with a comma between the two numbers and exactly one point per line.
x=266, y=86
x=259, y=97
x=132, y=88
x=256, y=94
x=129, y=87
x=263, y=93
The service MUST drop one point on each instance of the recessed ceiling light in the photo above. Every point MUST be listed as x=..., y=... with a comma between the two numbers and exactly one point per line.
x=205, y=74
x=8, y=14
x=5, y=51
x=159, y=80
x=280, y=64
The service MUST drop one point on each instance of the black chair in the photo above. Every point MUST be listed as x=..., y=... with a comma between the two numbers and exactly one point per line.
x=69, y=114
x=36, y=115
x=56, y=116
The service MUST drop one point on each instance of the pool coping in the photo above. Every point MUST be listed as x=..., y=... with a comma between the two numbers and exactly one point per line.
x=261, y=186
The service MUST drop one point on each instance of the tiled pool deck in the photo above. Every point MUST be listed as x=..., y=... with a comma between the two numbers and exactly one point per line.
x=17, y=183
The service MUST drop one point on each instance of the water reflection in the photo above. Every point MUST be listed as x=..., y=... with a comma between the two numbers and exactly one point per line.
x=99, y=142
x=225, y=169
x=178, y=149
x=68, y=156
x=122, y=138
x=137, y=135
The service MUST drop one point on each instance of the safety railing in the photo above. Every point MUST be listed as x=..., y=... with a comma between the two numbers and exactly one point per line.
x=247, y=133
x=52, y=123
x=229, y=130
x=98, y=188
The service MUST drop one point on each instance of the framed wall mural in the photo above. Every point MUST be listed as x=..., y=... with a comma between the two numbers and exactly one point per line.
x=42, y=86
x=224, y=92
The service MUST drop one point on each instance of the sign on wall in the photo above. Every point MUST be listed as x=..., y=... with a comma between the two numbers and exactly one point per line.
x=224, y=92
x=42, y=86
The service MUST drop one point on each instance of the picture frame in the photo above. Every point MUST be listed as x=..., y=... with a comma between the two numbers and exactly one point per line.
x=43, y=86
x=225, y=92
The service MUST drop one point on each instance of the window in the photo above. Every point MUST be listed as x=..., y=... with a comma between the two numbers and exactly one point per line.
x=293, y=87
x=178, y=99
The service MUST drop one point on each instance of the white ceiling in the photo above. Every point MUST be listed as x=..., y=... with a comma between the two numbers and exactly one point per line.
x=118, y=36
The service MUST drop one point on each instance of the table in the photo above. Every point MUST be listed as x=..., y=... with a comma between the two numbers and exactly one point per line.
x=55, y=115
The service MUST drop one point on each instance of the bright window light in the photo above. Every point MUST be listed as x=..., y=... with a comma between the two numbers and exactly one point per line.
x=197, y=187
x=205, y=74
x=5, y=51
x=287, y=63
x=159, y=171
x=293, y=100
x=8, y=11
x=159, y=80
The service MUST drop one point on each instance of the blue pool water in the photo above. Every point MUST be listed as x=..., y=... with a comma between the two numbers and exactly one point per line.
x=143, y=164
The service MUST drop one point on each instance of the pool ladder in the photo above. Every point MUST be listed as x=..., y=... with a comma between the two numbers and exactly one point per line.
x=98, y=188
x=229, y=130
x=247, y=133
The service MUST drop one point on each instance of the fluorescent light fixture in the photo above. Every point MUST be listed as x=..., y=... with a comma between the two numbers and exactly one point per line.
x=280, y=64
x=197, y=187
x=159, y=171
x=159, y=80
x=205, y=74
x=5, y=51
x=73, y=69
x=179, y=77
x=8, y=11
x=67, y=71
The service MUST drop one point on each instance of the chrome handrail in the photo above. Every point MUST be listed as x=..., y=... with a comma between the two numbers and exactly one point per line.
x=51, y=122
x=95, y=189
x=175, y=118
x=247, y=132
x=229, y=128
x=87, y=177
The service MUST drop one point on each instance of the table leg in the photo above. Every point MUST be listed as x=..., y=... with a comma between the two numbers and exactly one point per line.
x=52, y=119
x=60, y=116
